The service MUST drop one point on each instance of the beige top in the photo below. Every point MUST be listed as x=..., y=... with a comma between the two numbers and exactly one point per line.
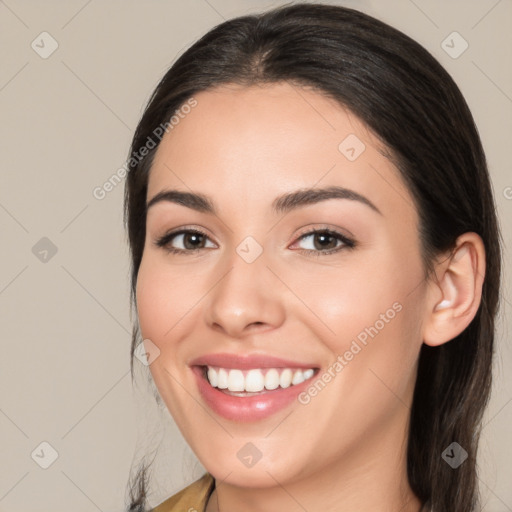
x=195, y=497
x=191, y=499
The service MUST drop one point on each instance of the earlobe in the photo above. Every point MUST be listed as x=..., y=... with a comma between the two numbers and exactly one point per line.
x=454, y=297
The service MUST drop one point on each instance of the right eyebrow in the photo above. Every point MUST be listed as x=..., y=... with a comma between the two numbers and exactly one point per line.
x=193, y=200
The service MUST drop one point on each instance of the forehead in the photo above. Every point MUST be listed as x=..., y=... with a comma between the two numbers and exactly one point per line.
x=261, y=141
x=262, y=122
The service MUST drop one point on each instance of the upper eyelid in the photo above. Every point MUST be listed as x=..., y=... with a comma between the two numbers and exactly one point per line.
x=314, y=228
x=170, y=235
x=345, y=240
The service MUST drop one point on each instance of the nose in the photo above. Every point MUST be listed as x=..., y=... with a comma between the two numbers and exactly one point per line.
x=247, y=299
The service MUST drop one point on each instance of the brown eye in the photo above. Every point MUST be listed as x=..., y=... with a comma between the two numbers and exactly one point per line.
x=192, y=240
x=323, y=242
x=183, y=241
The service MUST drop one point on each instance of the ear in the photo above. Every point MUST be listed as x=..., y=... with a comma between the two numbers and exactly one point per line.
x=455, y=292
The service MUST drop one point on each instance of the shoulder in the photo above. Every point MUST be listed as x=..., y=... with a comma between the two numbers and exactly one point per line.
x=191, y=499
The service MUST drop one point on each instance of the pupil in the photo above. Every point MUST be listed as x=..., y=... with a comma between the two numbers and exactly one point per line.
x=192, y=237
x=324, y=239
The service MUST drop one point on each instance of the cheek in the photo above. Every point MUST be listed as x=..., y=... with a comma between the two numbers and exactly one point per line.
x=161, y=308
x=347, y=301
x=156, y=301
x=370, y=315
x=168, y=300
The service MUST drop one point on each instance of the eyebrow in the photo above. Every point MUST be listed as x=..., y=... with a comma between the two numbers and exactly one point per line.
x=282, y=204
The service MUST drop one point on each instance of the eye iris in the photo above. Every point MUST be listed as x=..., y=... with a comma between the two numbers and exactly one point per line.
x=325, y=240
x=196, y=239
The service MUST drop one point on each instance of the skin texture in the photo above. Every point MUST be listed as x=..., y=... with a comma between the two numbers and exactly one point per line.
x=345, y=449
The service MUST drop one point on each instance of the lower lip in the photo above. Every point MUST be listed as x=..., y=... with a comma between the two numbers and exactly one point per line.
x=246, y=408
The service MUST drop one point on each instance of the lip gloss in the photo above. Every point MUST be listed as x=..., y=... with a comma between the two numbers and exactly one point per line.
x=249, y=408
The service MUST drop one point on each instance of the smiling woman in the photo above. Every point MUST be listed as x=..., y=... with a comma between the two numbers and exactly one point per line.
x=316, y=259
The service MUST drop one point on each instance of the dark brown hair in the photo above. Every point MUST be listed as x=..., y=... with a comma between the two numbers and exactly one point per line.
x=415, y=108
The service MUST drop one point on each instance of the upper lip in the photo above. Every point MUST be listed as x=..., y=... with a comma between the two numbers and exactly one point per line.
x=247, y=362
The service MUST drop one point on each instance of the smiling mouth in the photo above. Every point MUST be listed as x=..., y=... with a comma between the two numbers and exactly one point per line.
x=256, y=381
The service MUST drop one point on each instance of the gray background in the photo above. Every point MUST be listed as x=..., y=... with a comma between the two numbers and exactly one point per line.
x=66, y=124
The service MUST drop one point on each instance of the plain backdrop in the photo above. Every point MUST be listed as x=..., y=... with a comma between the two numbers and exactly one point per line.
x=67, y=119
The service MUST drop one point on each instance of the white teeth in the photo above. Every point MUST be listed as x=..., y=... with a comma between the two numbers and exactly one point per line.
x=308, y=374
x=212, y=377
x=298, y=377
x=222, y=381
x=272, y=379
x=285, y=380
x=236, y=380
x=256, y=380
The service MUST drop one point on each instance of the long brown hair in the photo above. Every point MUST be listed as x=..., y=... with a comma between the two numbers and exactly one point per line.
x=412, y=104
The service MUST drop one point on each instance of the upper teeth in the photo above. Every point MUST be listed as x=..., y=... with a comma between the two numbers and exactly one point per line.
x=256, y=380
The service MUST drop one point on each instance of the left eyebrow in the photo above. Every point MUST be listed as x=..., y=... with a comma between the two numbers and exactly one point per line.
x=281, y=204
x=307, y=196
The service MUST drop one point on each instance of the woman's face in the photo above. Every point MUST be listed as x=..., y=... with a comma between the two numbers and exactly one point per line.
x=257, y=300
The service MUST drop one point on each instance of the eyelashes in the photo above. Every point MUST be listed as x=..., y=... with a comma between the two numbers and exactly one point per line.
x=166, y=240
x=197, y=240
x=324, y=235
